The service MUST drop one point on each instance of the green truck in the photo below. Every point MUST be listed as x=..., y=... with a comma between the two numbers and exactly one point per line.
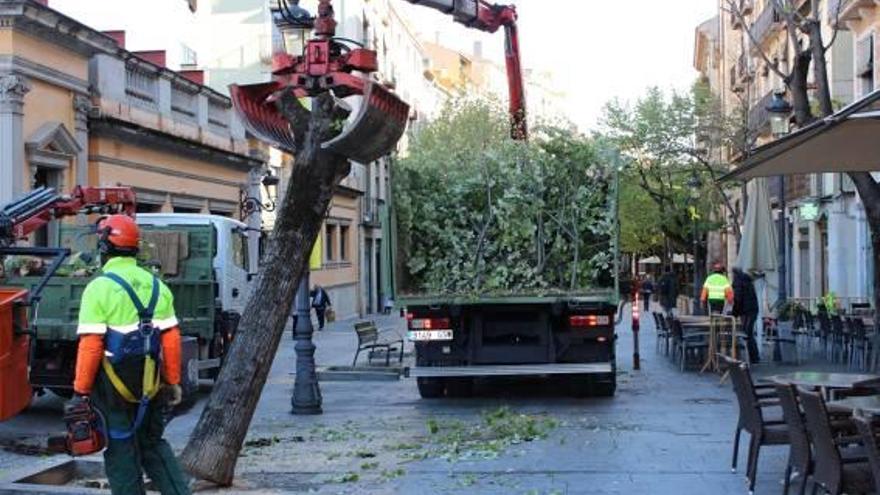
x=208, y=263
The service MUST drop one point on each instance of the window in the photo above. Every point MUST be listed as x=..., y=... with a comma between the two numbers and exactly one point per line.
x=240, y=249
x=865, y=65
x=330, y=243
x=343, y=243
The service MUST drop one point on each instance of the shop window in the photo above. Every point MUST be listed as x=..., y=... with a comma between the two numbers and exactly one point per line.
x=148, y=208
x=240, y=250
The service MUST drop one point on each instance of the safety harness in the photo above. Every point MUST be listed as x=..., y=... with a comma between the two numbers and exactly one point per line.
x=142, y=342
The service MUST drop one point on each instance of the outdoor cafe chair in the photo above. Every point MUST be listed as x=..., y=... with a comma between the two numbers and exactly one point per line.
x=753, y=400
x=868, y=433
x=832, y=472
x=690, y=346
x=800, y=459
x=825, y=337
x=662, y=331
x=859, y=343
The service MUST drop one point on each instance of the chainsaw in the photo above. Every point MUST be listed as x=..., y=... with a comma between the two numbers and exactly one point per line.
x=85, y=428
x=375, y=118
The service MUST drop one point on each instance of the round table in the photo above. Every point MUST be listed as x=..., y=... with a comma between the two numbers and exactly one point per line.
x=825, y=381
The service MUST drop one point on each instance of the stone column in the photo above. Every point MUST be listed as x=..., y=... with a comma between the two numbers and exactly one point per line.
x=81, y=106
x=13, y=88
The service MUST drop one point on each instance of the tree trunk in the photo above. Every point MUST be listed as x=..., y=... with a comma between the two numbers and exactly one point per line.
x=798, y=84
x=213, y=448
x=869, y=192
x=820, y=68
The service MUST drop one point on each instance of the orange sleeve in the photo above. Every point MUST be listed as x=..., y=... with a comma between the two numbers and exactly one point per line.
x=171, y=355
x=728, y=294
x=89, y=354
x=704, y=294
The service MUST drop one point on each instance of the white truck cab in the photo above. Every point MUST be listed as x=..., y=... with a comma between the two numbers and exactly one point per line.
x=235, y=262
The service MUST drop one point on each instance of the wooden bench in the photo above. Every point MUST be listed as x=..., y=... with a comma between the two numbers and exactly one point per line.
x=370, y=340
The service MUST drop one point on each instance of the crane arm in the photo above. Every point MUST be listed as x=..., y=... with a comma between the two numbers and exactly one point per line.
x=35, y=209
x=478, y=14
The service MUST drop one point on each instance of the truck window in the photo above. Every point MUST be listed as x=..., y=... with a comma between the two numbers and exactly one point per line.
x=240, y=250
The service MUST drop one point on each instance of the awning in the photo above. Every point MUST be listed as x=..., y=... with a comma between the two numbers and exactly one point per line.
x=848, y=141
x=678, y=259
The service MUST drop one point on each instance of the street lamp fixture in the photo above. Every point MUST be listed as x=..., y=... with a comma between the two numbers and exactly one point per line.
x=295, y=24
x=250, y=205
x=780, y=114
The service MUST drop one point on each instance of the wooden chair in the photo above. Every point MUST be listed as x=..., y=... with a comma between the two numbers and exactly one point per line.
x=832, y=473
x=753, y=400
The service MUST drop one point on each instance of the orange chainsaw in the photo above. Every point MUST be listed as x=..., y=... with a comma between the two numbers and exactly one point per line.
x=375, y=117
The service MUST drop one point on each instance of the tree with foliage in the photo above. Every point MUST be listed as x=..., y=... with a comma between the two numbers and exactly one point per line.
x=658, y=137
x=479, y=213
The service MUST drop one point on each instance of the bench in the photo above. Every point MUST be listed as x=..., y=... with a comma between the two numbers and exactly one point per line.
x=370, y=340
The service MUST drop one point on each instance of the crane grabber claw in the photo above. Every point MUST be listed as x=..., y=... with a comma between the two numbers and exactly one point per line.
x=373, y=118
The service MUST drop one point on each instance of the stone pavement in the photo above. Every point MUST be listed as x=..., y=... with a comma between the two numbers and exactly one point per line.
x=665, y=432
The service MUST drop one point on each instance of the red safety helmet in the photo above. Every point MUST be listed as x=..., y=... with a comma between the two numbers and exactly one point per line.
x=119, y=233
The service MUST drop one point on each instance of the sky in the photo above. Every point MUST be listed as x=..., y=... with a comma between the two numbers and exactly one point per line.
x=596, y=50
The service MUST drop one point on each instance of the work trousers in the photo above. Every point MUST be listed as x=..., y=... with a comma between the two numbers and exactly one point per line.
x=716, y=306
x=126, y=461
x=748, y=328
x=320, y=312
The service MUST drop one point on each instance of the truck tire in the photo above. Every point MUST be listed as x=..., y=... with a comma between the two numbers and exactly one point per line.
x=604, y=388
x=459, y=387
x=430, y=388
x=582, y=386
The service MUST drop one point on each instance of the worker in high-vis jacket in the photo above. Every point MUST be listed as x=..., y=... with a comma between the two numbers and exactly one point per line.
x=129, y=351
x=717, y=290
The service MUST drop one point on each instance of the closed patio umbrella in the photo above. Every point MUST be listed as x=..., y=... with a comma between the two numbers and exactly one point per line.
x=757, y=250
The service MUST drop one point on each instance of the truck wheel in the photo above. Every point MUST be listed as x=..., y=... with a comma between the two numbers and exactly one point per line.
x=580, y=386
x=430, y=388
x=459, y=387
x=604, y=389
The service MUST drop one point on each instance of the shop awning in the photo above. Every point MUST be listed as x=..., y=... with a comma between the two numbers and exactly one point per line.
x=848, y=141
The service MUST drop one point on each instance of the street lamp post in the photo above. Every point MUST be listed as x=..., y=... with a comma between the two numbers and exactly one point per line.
x=694, y=186
x=780, y=125
x=306, y=390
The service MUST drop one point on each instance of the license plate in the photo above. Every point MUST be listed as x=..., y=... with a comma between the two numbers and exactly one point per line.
x=429, y=335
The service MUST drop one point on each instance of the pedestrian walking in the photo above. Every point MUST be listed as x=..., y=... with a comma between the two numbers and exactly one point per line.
x=320, y=301
x=647, y=289
x=745, y=306
x=129, y=344
x=717, y=290
x=668, y=291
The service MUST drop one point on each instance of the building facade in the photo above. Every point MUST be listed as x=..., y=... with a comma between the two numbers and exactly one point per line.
x=79, y=109
x=827, y=246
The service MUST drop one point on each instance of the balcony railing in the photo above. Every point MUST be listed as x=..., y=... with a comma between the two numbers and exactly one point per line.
x=183, y=101
x=372, y=213
x=764, y=24
x=759, y=117
x=141, y=86
x=218, y=114
x=745, y=8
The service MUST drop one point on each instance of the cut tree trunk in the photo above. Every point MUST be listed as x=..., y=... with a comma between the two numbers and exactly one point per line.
x=213, y=448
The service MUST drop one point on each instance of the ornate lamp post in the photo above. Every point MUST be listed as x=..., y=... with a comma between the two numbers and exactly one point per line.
x=694, y=186
x=249, y=205
x=780, y=125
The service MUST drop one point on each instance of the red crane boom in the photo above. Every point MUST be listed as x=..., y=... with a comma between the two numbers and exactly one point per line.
x=478, y=14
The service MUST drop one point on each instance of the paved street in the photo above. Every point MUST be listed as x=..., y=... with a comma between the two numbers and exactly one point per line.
x=664, y=432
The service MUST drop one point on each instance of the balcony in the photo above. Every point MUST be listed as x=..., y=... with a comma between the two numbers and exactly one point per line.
x=372, y=212
x=759, y=118
x=766, y=23
x=140, y=92
x=745, y=8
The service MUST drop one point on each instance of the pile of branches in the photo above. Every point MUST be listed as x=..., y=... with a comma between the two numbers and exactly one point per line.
x=478, y=213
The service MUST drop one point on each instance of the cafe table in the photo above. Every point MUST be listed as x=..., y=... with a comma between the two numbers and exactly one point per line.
x=825, y=381
x=869, y=404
